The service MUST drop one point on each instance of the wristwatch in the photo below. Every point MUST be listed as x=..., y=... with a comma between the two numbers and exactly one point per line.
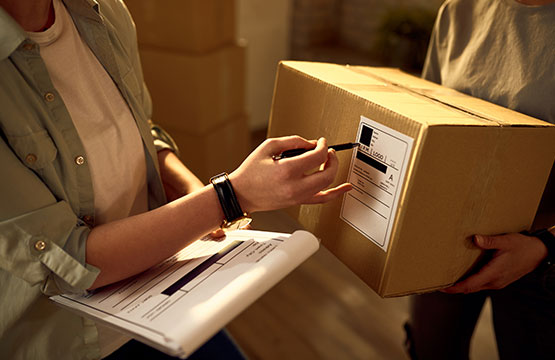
x=235, y=217
x=548, y=240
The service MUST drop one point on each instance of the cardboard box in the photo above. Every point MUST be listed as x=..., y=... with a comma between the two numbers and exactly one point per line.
x=184, y=25
x=195, y=93
x=222, y=149
x=436, y=167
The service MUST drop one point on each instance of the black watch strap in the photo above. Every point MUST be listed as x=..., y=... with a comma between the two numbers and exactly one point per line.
x=228, y=200
x=548, y=240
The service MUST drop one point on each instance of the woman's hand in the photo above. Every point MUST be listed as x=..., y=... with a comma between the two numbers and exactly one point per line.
x=263, y=184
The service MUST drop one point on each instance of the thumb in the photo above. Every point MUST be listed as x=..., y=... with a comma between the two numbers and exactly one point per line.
x=487, y=242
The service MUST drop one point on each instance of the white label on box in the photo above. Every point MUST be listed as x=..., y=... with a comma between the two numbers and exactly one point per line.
x=377, y=173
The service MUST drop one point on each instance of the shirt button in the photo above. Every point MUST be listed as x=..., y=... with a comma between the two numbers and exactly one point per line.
x=88, y=219
x=31, y=158
x=80, y=160
x=49, y=97
x=40, y=245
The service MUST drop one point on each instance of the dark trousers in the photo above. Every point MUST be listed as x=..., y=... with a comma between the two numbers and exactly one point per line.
x=219, y=347
x=441, y=325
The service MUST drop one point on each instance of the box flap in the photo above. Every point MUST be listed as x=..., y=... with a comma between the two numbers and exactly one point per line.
x=414, y=97
x=452, y=98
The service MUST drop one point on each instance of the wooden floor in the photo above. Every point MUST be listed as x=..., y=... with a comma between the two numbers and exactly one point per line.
x=323, y=311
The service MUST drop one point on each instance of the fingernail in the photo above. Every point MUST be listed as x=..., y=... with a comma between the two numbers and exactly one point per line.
x=479, y=239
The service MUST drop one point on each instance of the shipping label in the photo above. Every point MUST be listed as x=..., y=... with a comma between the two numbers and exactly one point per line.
x=377, y=173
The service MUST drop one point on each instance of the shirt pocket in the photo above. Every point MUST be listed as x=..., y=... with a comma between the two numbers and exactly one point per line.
x=36, y=150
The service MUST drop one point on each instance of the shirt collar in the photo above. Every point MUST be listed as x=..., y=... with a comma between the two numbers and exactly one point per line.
x=12, y=35
x=83, y=8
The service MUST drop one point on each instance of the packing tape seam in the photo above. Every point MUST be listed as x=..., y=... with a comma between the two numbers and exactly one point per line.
x=434, y=100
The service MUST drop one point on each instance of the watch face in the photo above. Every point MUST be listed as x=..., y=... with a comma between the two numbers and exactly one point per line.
x=237, y=224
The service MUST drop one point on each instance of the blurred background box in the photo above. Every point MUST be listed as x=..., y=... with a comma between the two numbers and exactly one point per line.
x=195, y=93
x=220, y=149
x=185, y=25
x=195, y=70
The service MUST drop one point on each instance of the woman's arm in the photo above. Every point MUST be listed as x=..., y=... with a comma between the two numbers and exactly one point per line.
x=126, y=247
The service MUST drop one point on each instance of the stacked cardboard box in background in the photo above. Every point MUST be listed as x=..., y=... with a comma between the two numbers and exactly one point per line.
x=195, y=71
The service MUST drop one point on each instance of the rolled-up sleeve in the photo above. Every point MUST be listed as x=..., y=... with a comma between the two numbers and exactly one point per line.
x=42, y=241
x=34, y=247
x=162, y=140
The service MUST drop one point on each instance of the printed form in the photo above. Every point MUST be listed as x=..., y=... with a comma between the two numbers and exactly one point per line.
x=179, y=304
x=377, y=173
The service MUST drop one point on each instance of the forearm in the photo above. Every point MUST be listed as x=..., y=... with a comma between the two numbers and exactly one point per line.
x=129, y=246
x=126, y=247
x=177, y=179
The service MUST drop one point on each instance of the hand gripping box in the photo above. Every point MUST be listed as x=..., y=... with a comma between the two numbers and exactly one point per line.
x=434, y=167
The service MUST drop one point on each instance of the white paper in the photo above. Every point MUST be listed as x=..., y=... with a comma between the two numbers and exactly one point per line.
x=179, y=304
x=377, y=173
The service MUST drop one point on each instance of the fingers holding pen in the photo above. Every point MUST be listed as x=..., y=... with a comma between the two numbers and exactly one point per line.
x=275, y=146
x=311, y=159
x=305, y=177
x=262, y=183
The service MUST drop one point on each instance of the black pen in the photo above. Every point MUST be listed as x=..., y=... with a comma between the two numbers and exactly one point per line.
x=299, y=151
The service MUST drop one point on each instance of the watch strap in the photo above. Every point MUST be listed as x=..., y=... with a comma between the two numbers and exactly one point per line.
x=226, y=195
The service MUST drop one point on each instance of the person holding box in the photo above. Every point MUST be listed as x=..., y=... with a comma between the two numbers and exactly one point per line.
x=501, y=51
x=87, y=177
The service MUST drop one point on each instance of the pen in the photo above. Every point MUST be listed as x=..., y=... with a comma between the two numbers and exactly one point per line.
x=296, y=152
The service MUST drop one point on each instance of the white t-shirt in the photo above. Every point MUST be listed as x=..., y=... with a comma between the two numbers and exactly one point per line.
x=113, y=145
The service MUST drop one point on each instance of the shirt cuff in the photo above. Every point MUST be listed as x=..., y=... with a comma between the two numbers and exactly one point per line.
x=35, y=246
x=163, y=140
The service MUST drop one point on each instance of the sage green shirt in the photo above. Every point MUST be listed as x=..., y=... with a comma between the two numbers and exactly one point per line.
x=46, y=193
